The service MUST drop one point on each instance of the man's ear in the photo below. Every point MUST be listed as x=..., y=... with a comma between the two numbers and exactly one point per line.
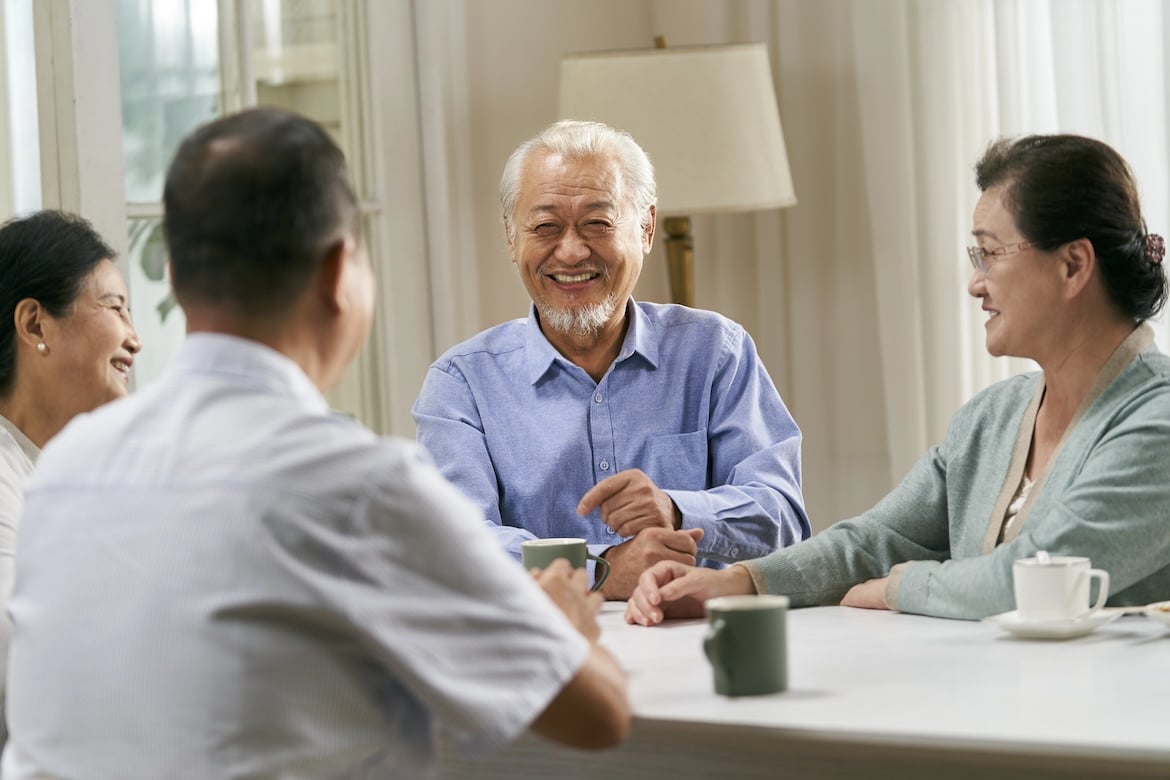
x=331, y=276
x=510, y=240
x=29, y=318
x=648, y=231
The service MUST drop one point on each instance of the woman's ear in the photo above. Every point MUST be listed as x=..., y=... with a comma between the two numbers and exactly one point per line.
x=29, y=318
x=1079, y=260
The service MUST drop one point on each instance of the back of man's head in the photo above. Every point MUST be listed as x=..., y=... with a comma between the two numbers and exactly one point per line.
x=254, y=201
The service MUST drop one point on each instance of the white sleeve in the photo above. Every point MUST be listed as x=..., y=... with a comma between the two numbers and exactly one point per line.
x=11, y=507
x=458, y=622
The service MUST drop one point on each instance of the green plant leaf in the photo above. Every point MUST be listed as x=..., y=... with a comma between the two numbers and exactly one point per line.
x=154, y=254
x=165, y=306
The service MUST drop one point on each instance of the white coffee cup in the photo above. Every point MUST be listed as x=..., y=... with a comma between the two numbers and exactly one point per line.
x=1056, y=587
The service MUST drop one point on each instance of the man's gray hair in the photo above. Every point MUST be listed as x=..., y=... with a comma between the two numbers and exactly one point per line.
x=575, y=140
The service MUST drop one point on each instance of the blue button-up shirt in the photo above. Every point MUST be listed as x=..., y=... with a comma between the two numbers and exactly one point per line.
x=525, y=432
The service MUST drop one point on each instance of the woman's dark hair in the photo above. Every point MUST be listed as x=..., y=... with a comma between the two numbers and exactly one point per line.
x=1060, y=188
x=45, y=256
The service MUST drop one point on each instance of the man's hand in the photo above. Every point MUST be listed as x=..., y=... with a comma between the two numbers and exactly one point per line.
x=629, y=559
x=867, y=595
x=569, y=590
x=672, y=590
x=629, y=503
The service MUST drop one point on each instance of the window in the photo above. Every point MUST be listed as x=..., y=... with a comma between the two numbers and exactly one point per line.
x=184, y=63
x=20, y=171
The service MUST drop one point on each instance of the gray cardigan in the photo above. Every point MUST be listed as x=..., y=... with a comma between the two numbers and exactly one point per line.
x=1104, y=494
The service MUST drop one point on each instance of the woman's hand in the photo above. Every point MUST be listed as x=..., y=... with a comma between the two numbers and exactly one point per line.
x=867, y=595
x=673, y=590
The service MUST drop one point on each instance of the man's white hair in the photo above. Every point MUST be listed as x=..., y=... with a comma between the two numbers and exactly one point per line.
x=576, y=140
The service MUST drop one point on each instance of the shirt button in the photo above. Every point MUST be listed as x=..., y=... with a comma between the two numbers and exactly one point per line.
x=734, y=551
x=598, y=398
x=604, y=465
x=610, y=531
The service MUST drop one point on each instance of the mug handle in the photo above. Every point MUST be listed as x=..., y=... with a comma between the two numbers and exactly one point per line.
x=1103, y=593
x=598, y=581
x=714, y=647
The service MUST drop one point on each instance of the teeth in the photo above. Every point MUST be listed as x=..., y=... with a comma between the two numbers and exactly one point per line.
x=566, y=279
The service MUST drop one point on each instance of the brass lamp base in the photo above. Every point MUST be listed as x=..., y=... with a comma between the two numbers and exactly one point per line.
x=680, y=259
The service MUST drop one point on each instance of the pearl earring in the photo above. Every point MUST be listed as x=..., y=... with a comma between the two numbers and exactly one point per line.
x=41, y=347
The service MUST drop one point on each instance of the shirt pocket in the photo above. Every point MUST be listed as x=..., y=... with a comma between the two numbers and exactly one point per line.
x=678, y=461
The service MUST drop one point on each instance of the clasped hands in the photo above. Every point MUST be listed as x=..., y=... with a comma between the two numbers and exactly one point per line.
x=655, y=569
x=673, y=590
x=632, y=505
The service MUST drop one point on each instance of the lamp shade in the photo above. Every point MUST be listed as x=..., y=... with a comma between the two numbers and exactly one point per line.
x=706, y=115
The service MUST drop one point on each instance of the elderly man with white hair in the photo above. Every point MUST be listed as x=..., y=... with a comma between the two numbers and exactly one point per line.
x=652, y=431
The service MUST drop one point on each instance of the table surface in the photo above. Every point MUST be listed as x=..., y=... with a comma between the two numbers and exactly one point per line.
x=878, y=694
x=860, y=675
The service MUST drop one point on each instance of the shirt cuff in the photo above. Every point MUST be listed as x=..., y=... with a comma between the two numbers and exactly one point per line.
x=757, y=577
x=893, y=582
x=696, y=511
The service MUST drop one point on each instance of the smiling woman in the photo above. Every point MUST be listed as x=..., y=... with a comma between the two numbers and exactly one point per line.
x=66, y=347
x=1069, y=460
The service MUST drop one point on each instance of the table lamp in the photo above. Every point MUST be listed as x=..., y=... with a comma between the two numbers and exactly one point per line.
x=706, y=115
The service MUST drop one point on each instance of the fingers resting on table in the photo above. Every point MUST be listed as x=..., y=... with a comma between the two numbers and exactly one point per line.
x=673, y=590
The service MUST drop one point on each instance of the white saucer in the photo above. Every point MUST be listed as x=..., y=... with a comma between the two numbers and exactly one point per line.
x=1159, y=612
x=1051, y=629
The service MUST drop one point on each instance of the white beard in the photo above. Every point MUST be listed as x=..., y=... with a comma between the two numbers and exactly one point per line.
x=582, y=322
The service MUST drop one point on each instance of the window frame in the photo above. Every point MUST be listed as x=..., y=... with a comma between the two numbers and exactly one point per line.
x=82, y=162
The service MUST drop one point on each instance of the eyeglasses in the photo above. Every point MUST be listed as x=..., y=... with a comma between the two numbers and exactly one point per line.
x=979, y=256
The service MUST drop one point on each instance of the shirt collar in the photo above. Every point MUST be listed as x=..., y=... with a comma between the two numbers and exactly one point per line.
x=249, y=362
x=30, y=450
x=541, y=355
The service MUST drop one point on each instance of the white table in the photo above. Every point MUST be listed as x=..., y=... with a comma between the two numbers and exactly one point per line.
x=876, y=694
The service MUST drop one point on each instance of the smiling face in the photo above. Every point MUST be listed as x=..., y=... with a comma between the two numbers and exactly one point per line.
x=1020, y=291
x=93, y=347
x=578, y=242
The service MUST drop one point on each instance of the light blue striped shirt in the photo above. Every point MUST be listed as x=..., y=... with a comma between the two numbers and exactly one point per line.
x=525, y=433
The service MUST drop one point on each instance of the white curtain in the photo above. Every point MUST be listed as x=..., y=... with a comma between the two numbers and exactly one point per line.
x=441, y=40
x=427, y=270
x=971, y=71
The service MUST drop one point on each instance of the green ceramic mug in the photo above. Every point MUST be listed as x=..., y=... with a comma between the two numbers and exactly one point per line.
x=746, y=644
x=539, y=553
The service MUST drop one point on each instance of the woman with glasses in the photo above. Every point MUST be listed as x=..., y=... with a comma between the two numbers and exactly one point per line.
x=1070, y=460
x=66, y=347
